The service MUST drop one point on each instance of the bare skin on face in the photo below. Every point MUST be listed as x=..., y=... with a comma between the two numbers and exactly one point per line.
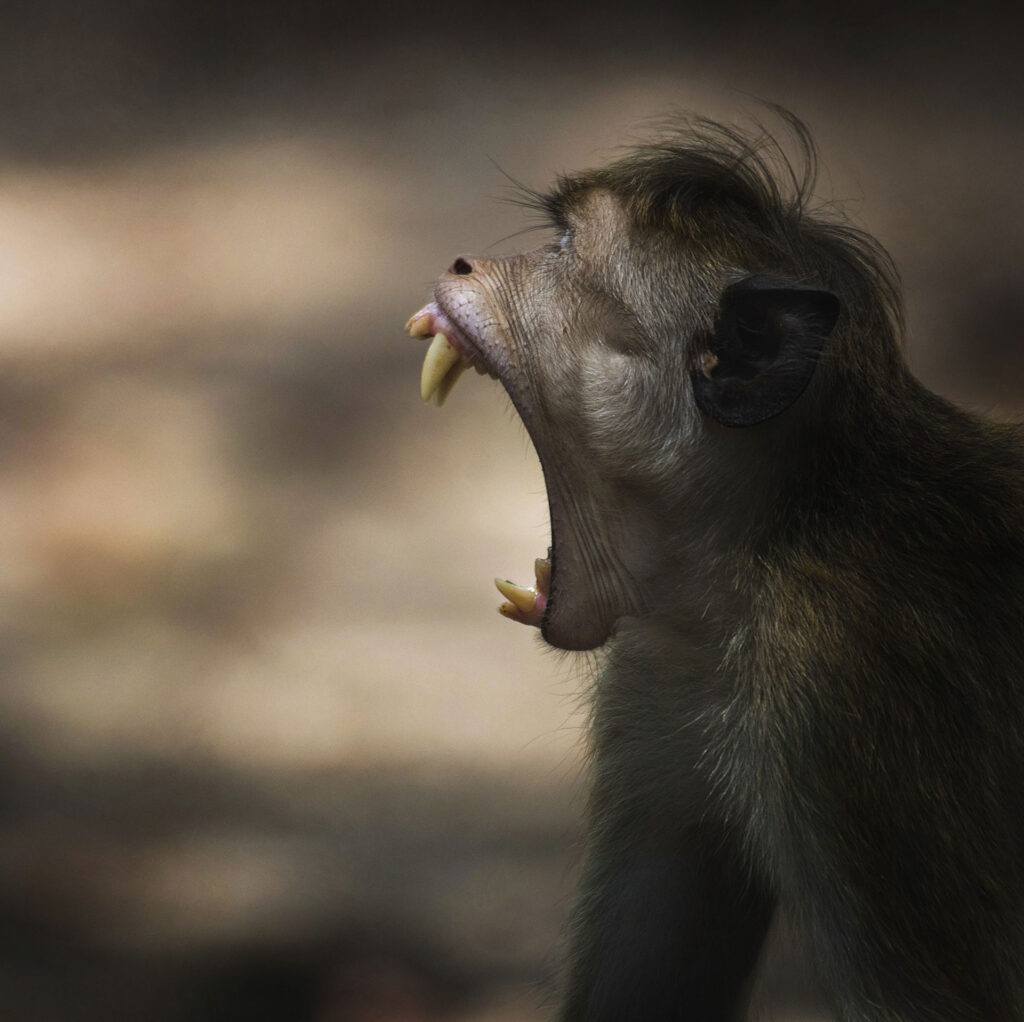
x=805, y=572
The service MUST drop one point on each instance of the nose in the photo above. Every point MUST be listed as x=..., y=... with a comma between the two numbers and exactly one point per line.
x=461, y=266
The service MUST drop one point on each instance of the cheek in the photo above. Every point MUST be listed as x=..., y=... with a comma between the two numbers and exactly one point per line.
x=632, y=417
x=612, y=388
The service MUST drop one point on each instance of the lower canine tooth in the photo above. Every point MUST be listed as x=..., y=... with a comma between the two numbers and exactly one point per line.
x=523, y=598
x=542, y=570
x=440, y=358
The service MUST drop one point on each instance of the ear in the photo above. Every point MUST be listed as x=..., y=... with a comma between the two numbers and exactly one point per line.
x=763, y=350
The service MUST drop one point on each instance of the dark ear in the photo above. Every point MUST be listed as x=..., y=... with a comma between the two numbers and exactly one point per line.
x=763, y=350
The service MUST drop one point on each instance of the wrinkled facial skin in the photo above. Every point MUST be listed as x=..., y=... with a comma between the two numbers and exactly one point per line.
x=592, y=337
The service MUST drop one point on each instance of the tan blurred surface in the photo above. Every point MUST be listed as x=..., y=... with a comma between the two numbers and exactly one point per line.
x=270, y=752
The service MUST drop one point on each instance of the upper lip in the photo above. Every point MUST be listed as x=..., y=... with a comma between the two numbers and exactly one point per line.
x=459, y=336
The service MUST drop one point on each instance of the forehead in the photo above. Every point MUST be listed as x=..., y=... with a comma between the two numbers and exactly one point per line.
x=598, y=206
x=597, y=217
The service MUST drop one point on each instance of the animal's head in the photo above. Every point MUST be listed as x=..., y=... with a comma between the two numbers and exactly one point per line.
x=656, y=348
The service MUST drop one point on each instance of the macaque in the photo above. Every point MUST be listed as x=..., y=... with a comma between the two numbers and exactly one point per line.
x=806, y=576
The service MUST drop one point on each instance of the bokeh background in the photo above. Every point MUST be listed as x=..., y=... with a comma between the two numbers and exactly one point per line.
x=268, y=752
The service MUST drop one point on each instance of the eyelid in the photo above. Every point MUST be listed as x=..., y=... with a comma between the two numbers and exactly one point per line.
x=565, y=239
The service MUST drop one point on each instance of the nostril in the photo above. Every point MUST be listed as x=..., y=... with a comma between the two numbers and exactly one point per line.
x=461, y=267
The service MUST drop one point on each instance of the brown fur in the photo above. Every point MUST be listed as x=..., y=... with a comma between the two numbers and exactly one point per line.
x=811, y=700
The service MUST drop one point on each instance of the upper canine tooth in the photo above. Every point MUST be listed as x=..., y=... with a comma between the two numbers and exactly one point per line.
x=440, y=357
x=444, y=388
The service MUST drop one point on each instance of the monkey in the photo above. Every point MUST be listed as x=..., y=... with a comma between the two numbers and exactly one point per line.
x=803, y=575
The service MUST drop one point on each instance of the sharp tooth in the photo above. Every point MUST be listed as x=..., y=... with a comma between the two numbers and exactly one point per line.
x=444, y=388
x=542, y=569
x=521, y=597
x=419, y=325
x=440, y=357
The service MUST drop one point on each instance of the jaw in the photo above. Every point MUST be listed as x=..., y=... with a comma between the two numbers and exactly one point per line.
x=592, y=586
x=584, y=585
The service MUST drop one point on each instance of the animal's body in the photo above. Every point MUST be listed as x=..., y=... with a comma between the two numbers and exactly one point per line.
x=807, y=572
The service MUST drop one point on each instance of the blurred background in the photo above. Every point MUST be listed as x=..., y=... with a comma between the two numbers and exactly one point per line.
x=267, y=752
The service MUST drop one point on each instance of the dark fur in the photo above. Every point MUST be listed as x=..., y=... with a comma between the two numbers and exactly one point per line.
x=866, y=769
x=714, y=185
x=820, y=709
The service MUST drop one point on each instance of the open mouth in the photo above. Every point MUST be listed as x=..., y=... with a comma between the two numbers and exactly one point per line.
x=450, y=354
